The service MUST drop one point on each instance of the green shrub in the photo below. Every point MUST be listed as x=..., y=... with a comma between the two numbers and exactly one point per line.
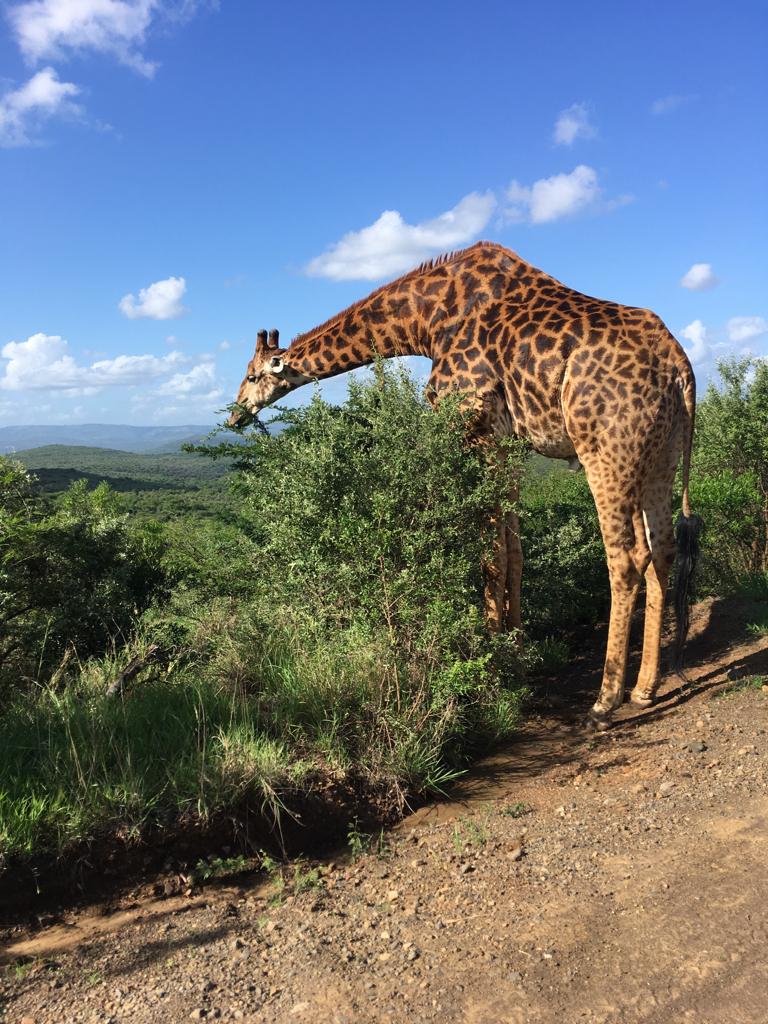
x=374, y=513
x=729, y=482
x=565, y=578
x=76, y=576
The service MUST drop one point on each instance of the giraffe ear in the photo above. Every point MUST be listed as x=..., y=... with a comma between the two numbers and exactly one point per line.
x=276, y=365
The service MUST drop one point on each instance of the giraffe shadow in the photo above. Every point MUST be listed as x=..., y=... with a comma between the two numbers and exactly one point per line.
x=718, y=651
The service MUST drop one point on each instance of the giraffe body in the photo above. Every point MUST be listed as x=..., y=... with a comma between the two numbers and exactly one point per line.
x=581, y=378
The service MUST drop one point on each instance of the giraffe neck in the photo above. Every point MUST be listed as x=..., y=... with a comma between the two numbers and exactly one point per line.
x=392, y=321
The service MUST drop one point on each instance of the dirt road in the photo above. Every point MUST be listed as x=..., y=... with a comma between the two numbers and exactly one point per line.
x=612, y=878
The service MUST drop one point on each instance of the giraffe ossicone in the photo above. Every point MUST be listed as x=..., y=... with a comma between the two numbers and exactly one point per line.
x=594, y=382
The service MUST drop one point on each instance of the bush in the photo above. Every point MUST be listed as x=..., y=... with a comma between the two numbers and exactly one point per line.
x=729, y=482
x=565, y=577
x=75, y=577
x=374, y=513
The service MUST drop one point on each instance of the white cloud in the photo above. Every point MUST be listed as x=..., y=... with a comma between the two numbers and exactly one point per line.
x=43, y=363
x=549, y=199
x=159, y=301
x=699, y=278
x=698, y=347
x=200, y=380
x=225, y=345
x=184, y=394
x=53, y=29
x=41, y=98
x=667, y=104
x=744, y=328
x=573, y=123
x=390, y=246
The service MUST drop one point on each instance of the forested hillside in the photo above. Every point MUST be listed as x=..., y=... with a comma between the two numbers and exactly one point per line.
x=106, y=435
x=57, y=466
x=190, y=484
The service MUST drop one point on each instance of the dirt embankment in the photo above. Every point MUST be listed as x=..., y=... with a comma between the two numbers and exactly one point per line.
x=611, y=878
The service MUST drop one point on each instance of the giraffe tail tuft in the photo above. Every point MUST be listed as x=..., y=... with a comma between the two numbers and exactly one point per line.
x=687, y=535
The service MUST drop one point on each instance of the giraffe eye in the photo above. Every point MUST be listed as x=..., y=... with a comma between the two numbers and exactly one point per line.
x=251, y=378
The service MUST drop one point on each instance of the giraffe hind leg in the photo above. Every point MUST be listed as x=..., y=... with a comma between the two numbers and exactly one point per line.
x=657, y=513
x=619, y=509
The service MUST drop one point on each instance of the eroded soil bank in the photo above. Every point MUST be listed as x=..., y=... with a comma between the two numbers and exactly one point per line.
x=611, y=878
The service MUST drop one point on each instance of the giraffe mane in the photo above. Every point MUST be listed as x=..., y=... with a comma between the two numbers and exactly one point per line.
x=454, y=256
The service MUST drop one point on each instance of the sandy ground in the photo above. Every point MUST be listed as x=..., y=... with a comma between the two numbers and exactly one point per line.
x=618, y=877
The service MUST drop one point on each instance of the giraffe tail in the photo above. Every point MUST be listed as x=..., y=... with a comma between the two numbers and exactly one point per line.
x=689, y=526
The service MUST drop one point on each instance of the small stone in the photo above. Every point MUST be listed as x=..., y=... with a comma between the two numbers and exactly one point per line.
x=413, y=954
x=639, y=787
x=466, y=868
x=199, y=1014
x=666, y=788
x=560, y=812
x=393, y=895
x=516, y=852
x=696, y=746
x=299, y=1008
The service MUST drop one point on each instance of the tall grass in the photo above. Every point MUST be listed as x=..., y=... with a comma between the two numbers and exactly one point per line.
x=253, y=722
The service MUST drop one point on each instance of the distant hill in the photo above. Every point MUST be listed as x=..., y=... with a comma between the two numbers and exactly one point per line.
x=102, y=435
x=56, y=466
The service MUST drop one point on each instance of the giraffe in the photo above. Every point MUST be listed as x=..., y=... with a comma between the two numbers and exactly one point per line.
x=581, y=378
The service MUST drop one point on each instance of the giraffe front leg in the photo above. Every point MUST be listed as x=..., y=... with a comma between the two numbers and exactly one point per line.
x=513, y=614
x=496, y=575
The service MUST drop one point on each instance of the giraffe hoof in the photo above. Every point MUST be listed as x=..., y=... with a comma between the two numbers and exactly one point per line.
x=640, y=701
x=599, y=721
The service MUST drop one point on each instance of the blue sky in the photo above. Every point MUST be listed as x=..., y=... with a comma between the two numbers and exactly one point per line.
x=176, y=176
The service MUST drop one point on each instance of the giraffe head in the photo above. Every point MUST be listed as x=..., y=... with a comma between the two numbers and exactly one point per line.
x=268, y=377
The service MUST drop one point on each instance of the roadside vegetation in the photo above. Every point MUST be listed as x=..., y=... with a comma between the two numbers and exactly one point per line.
x=324, y=635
